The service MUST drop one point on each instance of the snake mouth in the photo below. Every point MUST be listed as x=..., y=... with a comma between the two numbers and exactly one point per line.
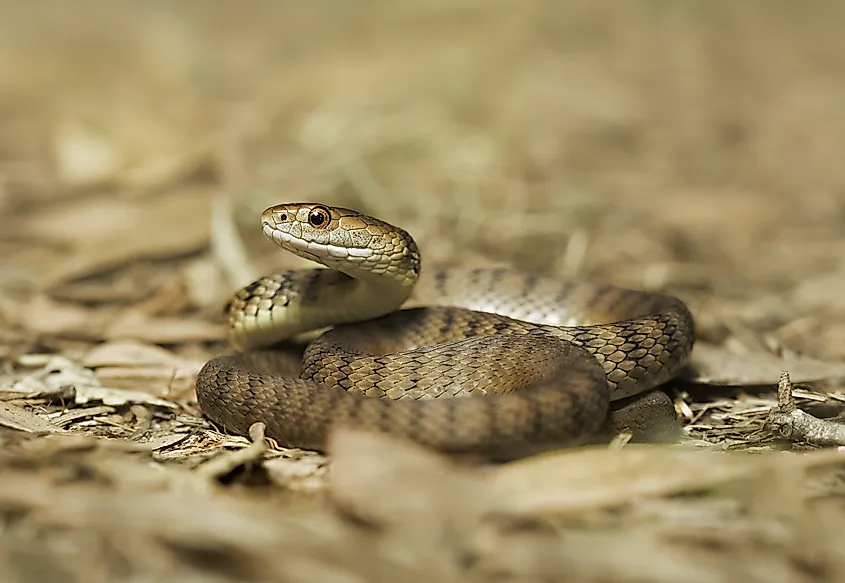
x=312, y=248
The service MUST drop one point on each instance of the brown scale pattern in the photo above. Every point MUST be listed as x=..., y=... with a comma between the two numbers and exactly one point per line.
x=539, y=385
x=454, y=375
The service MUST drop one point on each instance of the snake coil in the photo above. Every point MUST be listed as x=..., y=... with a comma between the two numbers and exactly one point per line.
x=485, y=361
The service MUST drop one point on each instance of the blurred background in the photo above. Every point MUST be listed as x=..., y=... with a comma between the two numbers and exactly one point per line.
x=689, y=146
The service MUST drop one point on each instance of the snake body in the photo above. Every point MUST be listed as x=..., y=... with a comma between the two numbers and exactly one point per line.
x=540, y=360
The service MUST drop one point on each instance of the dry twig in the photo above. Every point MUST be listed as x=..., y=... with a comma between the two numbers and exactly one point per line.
x=222, y=465
x=787, y=421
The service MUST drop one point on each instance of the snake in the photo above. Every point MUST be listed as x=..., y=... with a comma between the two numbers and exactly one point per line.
x=463, y=360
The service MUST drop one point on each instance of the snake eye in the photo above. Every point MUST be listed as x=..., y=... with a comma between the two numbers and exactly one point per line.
x=319, y=217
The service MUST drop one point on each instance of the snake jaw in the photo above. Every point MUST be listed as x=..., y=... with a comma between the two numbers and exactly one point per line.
x=359, y=246
x=324, y=253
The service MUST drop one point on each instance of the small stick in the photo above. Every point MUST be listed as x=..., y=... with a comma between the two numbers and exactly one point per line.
x=787, y=421
x=224, y=464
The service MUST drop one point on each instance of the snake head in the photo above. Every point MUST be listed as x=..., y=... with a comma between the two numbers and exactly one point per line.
x=373, y=267
x=343, y=239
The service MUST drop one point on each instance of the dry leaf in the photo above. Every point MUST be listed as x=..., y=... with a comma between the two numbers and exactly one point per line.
x=162, y=381
x=52, y=373
x=118, y=397
x=131, y=353
x=173, y=330
x=56, y=371
x=18, y=418
x=106, y=231
x=576, y=483
x=391, y=481
x=45, y=316
x=714, y=365
x=130, y=364
x=585, y=479
x=305, y=473
x=65, y=320
x=430, y=506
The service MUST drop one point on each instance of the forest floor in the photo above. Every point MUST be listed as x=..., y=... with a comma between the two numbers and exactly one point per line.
x=692, y=148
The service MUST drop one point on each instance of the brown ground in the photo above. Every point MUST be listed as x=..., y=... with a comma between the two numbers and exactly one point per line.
x=693, y=147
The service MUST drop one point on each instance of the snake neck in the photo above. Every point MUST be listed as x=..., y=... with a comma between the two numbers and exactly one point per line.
x=342, y=298
x=354, y=291
x=372, y=269
x=291, y=303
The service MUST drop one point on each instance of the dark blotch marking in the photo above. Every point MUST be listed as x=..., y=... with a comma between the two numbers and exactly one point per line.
x=530, y=284
x=472, y=326
x=310, y=288
x=448, y=322
x=475, y=275
x=250, y=289
x=496, y=276
x=440, y=281
x=563, y=292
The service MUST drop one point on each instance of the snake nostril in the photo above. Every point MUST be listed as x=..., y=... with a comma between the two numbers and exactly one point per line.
x=283, y=217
